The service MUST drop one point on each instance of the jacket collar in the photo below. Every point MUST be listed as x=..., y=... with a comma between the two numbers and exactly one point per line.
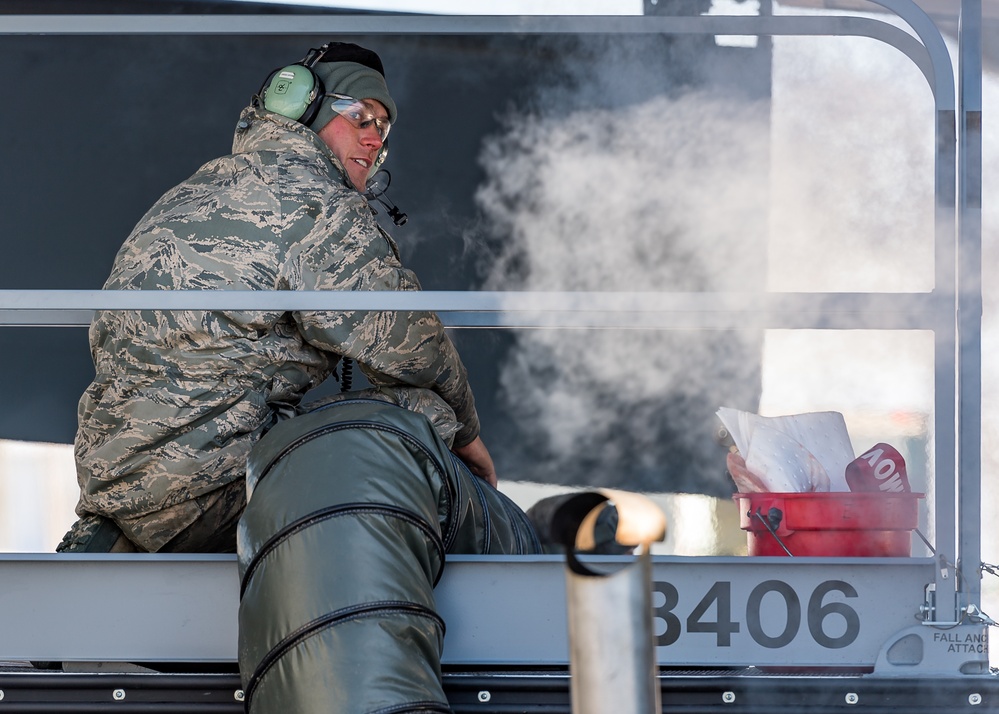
x=261, y=130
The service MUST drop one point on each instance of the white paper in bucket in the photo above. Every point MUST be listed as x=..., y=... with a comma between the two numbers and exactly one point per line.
x=794, y=453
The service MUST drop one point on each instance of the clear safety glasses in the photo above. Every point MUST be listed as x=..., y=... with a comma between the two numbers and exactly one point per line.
x=359, y=114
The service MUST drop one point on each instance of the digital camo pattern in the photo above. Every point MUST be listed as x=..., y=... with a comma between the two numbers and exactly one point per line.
x=180, y=397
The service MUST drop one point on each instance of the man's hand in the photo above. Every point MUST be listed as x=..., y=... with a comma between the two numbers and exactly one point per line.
x=477, y=459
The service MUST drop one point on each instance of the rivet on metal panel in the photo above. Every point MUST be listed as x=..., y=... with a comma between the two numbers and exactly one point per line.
x=118, y=694
x=1, y=695
x=485, y=696
x=852, y=698
x=728, y=697
x=238, y=695
x=974, y=698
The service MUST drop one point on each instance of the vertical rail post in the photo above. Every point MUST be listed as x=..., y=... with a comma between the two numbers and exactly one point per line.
x=969, y=282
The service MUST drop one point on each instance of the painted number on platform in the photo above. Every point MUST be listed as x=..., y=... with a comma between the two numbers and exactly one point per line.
x=829, y=621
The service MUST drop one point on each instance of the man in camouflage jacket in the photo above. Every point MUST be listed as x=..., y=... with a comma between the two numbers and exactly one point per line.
x=180, y=397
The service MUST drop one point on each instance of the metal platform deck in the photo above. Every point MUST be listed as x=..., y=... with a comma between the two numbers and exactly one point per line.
x=743, y=691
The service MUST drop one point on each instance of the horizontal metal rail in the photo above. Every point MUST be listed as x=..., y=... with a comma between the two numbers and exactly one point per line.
x=195, y=598
x=515, y=309
x=938, y=72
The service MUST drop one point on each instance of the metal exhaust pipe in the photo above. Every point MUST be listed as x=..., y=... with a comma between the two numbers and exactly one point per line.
x=611, y=642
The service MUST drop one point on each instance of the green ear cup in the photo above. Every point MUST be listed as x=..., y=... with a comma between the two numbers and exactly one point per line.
x=290, y=91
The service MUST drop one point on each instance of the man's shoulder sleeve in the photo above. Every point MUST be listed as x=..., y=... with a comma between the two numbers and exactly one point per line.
x=347, y=250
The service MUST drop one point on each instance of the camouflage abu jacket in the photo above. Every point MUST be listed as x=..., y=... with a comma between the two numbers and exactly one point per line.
x=180, y=397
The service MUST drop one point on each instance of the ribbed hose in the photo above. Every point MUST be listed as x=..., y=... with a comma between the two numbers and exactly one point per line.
x=351, y=511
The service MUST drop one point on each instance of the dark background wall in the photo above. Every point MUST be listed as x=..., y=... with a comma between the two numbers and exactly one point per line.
x=97, y=127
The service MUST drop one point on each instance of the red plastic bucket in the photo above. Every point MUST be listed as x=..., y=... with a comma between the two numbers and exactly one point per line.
x=829, y=524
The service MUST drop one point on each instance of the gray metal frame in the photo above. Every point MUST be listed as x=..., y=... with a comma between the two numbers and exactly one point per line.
x=952, y=310
x=165, y=608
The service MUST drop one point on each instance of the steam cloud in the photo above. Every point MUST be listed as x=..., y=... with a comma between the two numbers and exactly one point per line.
x=665, y=193
x=695, y=187
x=852, y=177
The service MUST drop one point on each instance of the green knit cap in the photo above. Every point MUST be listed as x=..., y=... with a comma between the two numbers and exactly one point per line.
x=353, y=80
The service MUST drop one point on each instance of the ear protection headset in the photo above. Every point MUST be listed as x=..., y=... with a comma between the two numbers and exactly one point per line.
x=295, y=91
